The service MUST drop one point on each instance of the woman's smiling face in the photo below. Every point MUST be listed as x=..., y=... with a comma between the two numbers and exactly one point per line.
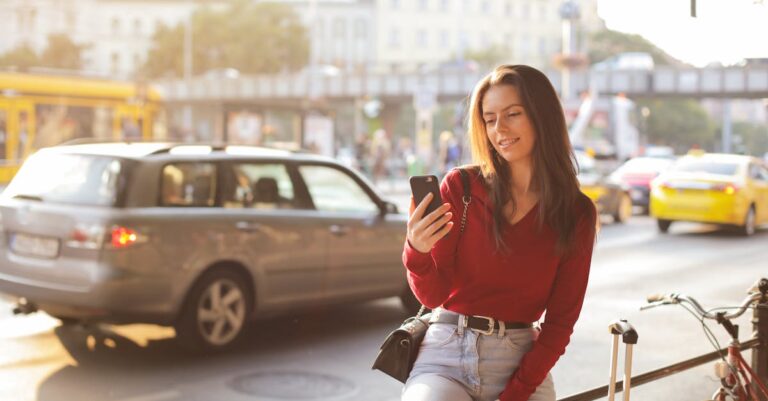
x=507, y=124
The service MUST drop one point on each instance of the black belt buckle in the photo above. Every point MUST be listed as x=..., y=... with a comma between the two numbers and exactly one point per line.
x=491, y=324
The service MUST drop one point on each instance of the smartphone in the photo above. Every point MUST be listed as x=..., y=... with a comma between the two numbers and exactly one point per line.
x=421, y=185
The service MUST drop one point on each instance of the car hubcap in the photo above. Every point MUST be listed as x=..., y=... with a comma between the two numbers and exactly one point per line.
x=221, y=312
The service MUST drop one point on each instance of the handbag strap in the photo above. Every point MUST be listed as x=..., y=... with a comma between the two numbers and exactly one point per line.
x=466, y=199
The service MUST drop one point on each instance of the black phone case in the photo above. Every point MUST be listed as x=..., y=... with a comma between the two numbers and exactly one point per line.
x=421, y=185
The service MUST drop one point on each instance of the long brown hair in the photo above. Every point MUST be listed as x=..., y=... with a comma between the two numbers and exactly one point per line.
x=554, y=169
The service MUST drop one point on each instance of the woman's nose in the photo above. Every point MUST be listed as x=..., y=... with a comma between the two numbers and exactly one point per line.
x=501, y=126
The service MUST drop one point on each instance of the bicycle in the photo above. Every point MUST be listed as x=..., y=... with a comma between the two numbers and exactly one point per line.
x=738, y=381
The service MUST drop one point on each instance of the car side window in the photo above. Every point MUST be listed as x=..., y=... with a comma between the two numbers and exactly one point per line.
x=259, y=186
x=188, y=184
x=332, y=190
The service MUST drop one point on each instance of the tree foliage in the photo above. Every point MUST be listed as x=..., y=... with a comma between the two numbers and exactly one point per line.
x=751, y=139
x=21, y=58
x=250, y=37
x=606, y=43
x=680, y=123
x=60, y=52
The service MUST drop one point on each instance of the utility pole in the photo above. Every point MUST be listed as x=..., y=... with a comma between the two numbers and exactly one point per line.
x=188, y=120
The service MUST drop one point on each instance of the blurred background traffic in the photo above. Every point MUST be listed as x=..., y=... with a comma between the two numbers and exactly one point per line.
x=666, y=102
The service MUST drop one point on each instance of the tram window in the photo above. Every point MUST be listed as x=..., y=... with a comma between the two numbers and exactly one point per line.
x=59, y=123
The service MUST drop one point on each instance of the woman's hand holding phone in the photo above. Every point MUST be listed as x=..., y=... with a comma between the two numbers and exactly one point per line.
x=425, y=230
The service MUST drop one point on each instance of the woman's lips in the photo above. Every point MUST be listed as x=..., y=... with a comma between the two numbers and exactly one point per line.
x=507, y=142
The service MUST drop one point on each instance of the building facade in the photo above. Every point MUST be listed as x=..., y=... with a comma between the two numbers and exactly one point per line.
x=353, y=35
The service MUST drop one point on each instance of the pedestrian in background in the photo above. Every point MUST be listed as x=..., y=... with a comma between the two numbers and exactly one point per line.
x=526, y=249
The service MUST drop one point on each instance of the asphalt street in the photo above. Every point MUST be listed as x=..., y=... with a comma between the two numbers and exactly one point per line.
x=325, y=354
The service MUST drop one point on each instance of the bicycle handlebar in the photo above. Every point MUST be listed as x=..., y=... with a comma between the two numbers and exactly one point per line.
x=667, y=299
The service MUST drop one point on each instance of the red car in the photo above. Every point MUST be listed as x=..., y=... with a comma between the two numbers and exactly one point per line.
x=637, y=173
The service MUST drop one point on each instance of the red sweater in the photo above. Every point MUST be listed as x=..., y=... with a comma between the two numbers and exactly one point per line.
x=466, y=274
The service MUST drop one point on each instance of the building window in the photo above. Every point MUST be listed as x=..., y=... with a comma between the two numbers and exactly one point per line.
x=485, y=7
x=361, y=30
x=394, y=4
x=467, y=6
x=137, y=60
x=542, y=46
x=544, y=15
x=115, y=26
x=422, y=5
x=339, y=28
x=394, y=38
x=421, y=38
x=445, y=5
x=445, y=38
x=115, y=62
x=137, y=26
x=508, y=9
x=319, y=29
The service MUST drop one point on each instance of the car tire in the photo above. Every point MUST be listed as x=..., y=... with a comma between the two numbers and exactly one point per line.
x=215, y=312
x=749, y=226
x=623, y=209
x=663, y=225
x=409, y=301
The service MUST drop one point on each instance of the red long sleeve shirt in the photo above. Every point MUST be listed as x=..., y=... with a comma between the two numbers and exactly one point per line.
x=466, y=274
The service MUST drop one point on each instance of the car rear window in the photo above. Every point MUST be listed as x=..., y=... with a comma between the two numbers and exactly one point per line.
x=67, y=178
x=706, y=167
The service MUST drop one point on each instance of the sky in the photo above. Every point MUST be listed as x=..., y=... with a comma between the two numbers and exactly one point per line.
x=724, y=31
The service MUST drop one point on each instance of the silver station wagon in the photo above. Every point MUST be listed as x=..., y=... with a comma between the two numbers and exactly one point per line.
x=199, y=237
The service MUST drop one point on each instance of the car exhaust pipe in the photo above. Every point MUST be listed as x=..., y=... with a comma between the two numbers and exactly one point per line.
x=24, y=307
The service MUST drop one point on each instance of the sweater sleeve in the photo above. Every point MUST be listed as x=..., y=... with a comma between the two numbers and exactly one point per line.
x=430, y=274
x=562, y=311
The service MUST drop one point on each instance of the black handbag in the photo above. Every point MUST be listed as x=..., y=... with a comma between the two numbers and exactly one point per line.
x=399, y=350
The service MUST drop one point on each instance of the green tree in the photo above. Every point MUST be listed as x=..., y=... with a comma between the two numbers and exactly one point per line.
x=752, y=138
x=251, y=37
x=606, y=43
x=20, y=58
x=62, y=52
x=680, y=123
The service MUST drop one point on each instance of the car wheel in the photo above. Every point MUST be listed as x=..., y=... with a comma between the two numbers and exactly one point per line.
x=624, y=210
x=663, y=225
x=215, y=312
x=409, y=301
x=749, y=223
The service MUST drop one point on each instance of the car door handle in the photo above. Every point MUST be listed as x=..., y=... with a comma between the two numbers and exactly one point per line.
x=248, y=226
x=339, y=230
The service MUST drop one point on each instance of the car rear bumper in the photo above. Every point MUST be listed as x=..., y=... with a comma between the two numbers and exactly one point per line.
x=109, y=296
x=722, y=210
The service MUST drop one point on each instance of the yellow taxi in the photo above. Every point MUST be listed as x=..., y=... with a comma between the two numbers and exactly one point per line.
x=610, y=196
x=713, y=188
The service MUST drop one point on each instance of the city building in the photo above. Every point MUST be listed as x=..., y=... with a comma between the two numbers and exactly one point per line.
x=352, y=35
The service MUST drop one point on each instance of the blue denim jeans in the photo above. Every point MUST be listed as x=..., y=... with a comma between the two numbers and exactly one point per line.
x=458, y=364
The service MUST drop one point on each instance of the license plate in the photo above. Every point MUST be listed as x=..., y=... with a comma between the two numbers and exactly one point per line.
x=33, y=245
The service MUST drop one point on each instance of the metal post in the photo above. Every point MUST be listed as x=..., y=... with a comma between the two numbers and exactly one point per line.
x=760, y=353
x=727, y=138
x=612, y=373
x=187, y=111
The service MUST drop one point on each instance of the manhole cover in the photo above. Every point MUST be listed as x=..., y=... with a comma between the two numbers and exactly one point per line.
x=293, y=385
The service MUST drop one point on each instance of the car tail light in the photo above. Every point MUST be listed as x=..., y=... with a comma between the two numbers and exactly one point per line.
x=86, y=236
x=727, y=188
x=123, y=237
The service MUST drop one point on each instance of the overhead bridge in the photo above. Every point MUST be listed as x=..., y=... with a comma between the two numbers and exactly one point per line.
x=293, y=89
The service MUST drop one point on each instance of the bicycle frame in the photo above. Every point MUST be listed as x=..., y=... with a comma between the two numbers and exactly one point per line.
x=758, y=370
x=738, y=380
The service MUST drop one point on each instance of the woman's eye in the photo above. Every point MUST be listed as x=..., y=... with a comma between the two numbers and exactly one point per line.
x=489, y=122
x=513, y=114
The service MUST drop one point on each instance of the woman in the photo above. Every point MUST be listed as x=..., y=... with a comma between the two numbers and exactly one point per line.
x=526, y=249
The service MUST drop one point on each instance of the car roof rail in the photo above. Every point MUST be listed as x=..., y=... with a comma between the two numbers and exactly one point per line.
x=214, y=147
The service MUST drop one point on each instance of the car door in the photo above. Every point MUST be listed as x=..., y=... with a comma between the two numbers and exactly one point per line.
x=286, y=244
x=364, y=243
